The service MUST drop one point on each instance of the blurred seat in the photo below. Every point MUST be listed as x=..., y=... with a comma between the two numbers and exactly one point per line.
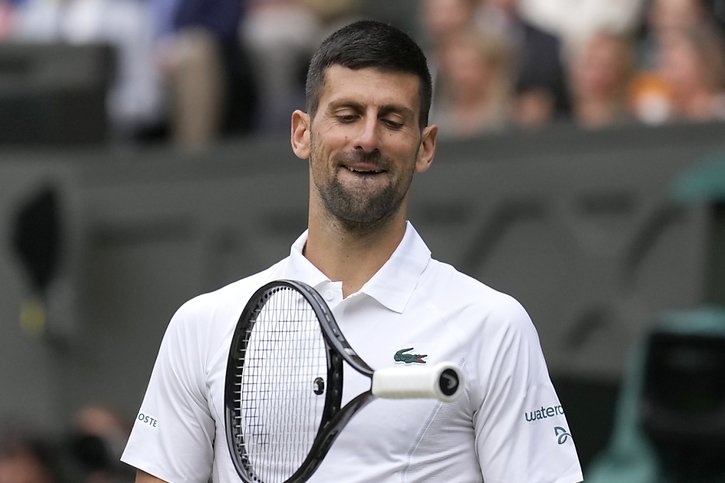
x=670, y=425
x=54, y=94
x=683, y=400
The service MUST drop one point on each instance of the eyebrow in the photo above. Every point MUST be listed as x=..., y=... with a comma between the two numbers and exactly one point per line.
x=384, y=109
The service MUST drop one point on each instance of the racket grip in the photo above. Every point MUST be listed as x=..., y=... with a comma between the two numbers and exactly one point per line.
x=443, y=381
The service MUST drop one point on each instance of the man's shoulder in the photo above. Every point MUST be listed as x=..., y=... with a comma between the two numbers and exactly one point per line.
x=450, y=286
x=448, y=278
x=232, y=296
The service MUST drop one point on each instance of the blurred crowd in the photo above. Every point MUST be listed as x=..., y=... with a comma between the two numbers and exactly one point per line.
x=595, y=63
x=88, y=450
x=191, y=71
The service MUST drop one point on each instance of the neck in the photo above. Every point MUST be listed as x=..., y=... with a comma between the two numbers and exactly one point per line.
x=352, y=256
x=597, y=111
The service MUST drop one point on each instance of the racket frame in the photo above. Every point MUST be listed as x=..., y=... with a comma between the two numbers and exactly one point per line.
x=333, y=418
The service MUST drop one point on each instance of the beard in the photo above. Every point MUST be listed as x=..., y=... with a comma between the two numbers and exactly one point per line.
x=362, y=208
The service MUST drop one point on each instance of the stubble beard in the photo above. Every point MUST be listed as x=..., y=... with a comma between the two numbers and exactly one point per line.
x=359, y=210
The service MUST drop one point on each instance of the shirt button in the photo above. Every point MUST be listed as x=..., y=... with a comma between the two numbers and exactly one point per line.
x=329, y=295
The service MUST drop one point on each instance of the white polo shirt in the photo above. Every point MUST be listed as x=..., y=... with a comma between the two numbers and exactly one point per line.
x=507, y=427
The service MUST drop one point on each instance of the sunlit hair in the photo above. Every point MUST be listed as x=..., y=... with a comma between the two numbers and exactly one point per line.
x=364, y=44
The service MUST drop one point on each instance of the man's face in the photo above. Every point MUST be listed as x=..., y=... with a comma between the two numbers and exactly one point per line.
x=365, y=144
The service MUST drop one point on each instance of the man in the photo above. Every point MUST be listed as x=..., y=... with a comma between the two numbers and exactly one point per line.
x=366, y=135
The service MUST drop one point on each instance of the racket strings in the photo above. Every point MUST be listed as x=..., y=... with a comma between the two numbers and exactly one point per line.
x=282, y=371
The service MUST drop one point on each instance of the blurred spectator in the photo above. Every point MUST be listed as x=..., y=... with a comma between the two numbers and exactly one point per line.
x=688, y=80
x=692, y=63
x=442, y=18
x=439, y=20
x=473, y=89
x=573, y=21
x=96, y=441
x=133, y=101
x=665, y=15
x=600, y=71
x=652, y=94
x=281, y=35
x=27, y=458
x=7, y=17
x=539, y=79
x=207, y=74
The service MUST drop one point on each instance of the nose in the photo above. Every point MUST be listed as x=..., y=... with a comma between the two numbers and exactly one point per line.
x=367, y=137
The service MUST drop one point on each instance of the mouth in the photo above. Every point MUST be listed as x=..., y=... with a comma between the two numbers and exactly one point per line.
x=364, y=170
x=363, y=167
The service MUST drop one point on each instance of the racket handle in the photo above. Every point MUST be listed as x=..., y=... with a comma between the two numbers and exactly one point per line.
x=443, y=381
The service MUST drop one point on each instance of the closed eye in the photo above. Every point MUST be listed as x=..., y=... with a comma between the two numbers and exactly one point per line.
x=346, y=118
x=395, y=125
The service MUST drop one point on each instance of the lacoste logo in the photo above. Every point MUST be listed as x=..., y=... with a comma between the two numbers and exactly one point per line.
x=561, y=434
x=404, y=357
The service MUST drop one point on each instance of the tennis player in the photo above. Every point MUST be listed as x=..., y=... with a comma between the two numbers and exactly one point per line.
x=365, y=136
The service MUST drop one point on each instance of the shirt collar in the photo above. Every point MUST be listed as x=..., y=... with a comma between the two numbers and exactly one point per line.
x=299, y=268
x=392, y=285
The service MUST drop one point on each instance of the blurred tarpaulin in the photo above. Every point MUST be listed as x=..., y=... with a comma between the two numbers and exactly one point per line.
x=704, y=184
x=37, y=243
x=671, y=413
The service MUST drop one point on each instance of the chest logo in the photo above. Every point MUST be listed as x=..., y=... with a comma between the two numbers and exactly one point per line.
x=403, y=356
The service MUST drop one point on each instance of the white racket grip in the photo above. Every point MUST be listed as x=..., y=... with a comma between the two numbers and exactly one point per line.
x=443, y=381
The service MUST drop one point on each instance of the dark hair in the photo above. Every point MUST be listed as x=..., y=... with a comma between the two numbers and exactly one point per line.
x=368, y=43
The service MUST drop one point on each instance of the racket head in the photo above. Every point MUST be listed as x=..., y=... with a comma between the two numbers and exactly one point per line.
x=333, y=334
x=278, y=408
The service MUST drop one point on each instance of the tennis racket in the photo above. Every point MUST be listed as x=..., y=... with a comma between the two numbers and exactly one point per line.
x=284, y=382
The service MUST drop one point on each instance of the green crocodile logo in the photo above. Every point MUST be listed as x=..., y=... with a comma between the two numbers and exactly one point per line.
x=402, y=356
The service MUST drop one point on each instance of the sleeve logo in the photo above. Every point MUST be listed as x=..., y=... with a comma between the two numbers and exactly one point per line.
x=146, y=419
x=562, y=434
x=543, y=413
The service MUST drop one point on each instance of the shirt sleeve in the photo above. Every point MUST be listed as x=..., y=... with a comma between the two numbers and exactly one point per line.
x=173, y=434
x=521, y=431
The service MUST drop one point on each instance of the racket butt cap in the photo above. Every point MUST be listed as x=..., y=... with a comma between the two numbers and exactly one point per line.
x=443, y=381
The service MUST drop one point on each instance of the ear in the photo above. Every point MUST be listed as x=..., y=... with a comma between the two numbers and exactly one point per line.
x=427, y=149
x=300, y=135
